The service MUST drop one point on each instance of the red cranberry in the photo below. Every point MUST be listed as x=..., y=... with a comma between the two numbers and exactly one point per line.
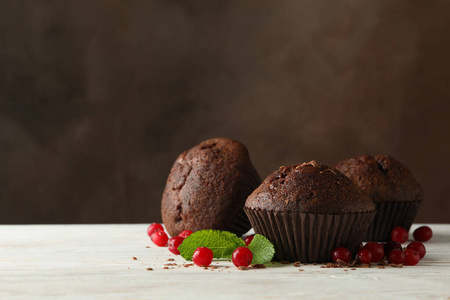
x=242, y=257
x=391, y=246
x=174, y=243
x=154, y=227
x=396, y=257
x=377, y=251
x=419, y=247
x=159, y=238
x=341, y=253
x=203, y=256
x=249, y=239
x=399, y=234
x=412, y=257
x=364, y=256
x=423, y=234
x=185, y=233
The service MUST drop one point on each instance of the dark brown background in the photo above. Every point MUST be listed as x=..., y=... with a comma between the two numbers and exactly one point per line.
x=97, y=98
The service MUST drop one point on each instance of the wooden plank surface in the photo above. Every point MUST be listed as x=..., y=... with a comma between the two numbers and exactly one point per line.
x=96, y=262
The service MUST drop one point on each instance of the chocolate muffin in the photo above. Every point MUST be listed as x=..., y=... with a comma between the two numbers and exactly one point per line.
x=307, y=210
x=207, y=188
x=391, y=185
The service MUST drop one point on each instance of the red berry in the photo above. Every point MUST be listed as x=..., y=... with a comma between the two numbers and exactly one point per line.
x=249, y=239
x=203, y=256
x=412, y=257
x=174, y=243
x=341, y=253
x=154, y=227
x=399, y=234
x=419, y=247
x=364, y=256
x=396, y=257
x=376, y=249
x=159, y=238
x=423, y=234
x=242, y=256
x=185, y=233
x=391, y=246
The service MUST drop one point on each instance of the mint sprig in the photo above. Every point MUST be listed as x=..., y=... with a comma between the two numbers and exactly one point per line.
x=222, y=243
x=262, y=249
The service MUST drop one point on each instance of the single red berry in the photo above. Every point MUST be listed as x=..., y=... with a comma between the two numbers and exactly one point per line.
x=377, y=251
x=203, y=257
x=249, y=239
x=423, y=234
x=399, y=234
x=154, y=227
x=242, y=257
x=185, y=233
x=412, y=257
x=364, y=256
x=396, y=257
x=391, y=246
x=174, y=243
x=341, y=253
x=419, y=247
x=159, y=238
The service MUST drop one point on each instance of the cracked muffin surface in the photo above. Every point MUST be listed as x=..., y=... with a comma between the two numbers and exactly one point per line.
x=309, y=188
x=207, y=188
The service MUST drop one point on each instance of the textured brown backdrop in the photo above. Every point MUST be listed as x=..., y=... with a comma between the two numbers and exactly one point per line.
x=97, y=98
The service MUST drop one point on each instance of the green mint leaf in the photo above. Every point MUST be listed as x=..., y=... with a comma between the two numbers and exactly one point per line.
x=222, y=243
x=262, y=249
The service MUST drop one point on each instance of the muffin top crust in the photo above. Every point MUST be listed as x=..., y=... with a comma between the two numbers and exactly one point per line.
x=382, y=177
x=309, y=188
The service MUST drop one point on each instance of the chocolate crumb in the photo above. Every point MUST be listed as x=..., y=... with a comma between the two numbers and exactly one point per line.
x=345, y=270
x=205, y=268
x=380, y=267
x=227, y=267
x=166, y=268
x=300, y=270
x=147, y=246
x=213, y=267
x=297, y=264
x=149, y=269
x=284, y=262
x=188, y=265
x=258, y=266
x=314, y=264
x=242, y=268
x=396, y=265
x=134, y=258
x=170, y=264
x=353, y=269
x=170, y=259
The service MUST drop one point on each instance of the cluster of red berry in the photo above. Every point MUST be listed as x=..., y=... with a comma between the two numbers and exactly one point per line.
x=373, y=252
x=202, y=256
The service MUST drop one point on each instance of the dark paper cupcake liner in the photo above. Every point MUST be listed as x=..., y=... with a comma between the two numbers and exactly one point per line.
x=390, y=215
x=310, y=237
x=239, y=224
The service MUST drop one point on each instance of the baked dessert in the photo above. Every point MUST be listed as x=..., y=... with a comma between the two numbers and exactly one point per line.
x=207, y=188
x=392, y=187
x=309, y=209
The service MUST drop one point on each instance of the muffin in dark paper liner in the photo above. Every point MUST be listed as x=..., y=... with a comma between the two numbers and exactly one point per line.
x=207, y=188
x=308, y=210
x=392, y=187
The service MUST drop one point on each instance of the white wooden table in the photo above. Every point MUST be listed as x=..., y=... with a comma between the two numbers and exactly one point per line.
x=96, y=262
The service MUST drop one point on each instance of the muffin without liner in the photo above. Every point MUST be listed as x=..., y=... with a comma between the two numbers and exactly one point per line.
x=308, y=210
x=392, y=187
x=207, y=188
